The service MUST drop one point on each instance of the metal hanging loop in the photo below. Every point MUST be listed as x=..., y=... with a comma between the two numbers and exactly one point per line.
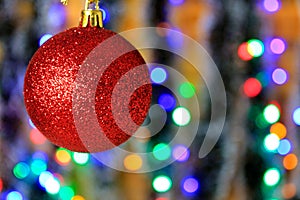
x=90, y=17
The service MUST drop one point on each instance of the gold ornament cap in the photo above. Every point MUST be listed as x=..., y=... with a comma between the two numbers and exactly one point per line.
x=90, y=17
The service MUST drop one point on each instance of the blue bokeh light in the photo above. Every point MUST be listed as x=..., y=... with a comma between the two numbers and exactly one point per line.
x=175, y=38
x=44, y=38
x=176, y=2
x=40, y=155
x=284, y=147
x=14, y=195
x=31, y=123
x=57, y=16
x=44, y=176
x=158, y=75
x=296, y=116
x=167, y=101
x=105, y=13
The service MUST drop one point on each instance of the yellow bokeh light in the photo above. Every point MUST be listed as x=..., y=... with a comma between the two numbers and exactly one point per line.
x=62, y=157
x=77, y=197
x=279, y=129
x=133, y=162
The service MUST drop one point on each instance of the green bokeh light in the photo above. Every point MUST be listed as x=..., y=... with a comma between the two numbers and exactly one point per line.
x=44, y=176
x=52, y=186
x=187, y=90
x=181, y=116
x=162, y=152
x=263, y=78
x=66, y=193
x=162, y=184
x=21, y=170
x=261, y=122
x=272, y=177
x=271, y=114
x=38, y=166
x=256, y=48
x=271, y=142
x=80, y=158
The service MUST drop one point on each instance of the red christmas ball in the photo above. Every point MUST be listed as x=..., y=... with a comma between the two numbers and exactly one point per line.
x=51, y=89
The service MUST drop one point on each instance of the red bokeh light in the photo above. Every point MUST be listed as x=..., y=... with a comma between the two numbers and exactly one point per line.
x=252, y=87
x=1, y=185
x=161, y=32
x=277, y=104
x=37, y=137
x=243, y=52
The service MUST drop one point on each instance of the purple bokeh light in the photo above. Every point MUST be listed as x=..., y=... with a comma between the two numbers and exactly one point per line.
x=181, y=153
x=277, y=46
x=190, y=185
x=279, y=76
x=271, y=5
x=176, y=2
